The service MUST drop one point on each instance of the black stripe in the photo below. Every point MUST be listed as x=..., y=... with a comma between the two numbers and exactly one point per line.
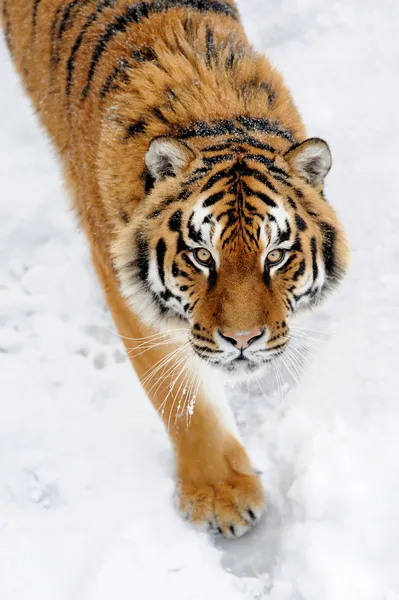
x=266, y=277
x=162, y=205
x=284, y=236
x=110, y=80
x=149, y=182
x=250, y=192
x=176, y=272
x=213, y=129
x=297, y=245
x=202, y=338
x=213, y=199
x=212, y=278
x=210, y=46
x=283, y=180
x=64, y=24
x=222, y=146
x=142, y=260
x=300, y=271
x=34, y=17
x=135, y=129
x=215, y=178
x=287, y=263
x=210, y=161
x=300, y=223
x=198, y=174
x=266, y=126
x=91, y=19
x=190, y=263
x=329, y=236
x=175, y=221
x=259, y=176
x=243, y=138
x=140, y=56
x=159, y=115
x=143, y=10
x=202, y=351
x=277, y=347
x=193, y=234
x=313, y=245
x=161, y=253
x=267, y=162
x=68, y=16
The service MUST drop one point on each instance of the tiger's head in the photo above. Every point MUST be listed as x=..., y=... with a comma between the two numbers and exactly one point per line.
x=231, y=241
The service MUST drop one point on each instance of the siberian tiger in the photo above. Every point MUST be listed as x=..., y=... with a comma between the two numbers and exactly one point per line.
x=202, y=201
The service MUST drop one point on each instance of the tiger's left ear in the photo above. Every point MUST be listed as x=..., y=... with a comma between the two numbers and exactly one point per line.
x=311, y=160
x=167, y=157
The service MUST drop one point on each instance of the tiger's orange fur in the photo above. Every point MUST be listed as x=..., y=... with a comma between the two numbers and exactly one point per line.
x=107, y=78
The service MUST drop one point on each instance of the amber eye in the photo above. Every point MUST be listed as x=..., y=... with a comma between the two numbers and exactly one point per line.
x=203, y=256
x=275, y=257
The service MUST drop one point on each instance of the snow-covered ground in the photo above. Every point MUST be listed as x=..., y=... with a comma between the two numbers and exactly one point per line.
x=86, y=472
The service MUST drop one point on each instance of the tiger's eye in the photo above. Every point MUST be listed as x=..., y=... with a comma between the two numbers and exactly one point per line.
x=203, y=256
x=275, y=257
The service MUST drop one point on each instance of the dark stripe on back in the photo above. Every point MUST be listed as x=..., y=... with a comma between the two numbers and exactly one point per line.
x=143, y=10
x=110, y=80
x=139, y=56
x=266, y=126
x=91, y=19
x=65, y=23
x=213, y=129
x=210, y=46
x=34, y=17
x=134, y=129
x=240, y=140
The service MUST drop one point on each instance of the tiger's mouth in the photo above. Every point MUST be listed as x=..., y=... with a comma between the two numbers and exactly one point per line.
x=241, y=363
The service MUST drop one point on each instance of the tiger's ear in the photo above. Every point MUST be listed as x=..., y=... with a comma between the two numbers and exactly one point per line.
x=311, y=160
x=167, y=157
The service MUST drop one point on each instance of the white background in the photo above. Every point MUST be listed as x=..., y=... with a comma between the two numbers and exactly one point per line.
x=86, y=471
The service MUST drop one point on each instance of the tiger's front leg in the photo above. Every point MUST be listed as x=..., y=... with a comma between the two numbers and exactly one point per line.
x=216, y=484
x=217, y=487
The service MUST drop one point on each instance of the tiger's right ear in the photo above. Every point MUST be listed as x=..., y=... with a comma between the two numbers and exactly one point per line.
x=167, y=157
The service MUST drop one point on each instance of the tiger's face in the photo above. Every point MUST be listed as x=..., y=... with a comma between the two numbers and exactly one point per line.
x=231, y=243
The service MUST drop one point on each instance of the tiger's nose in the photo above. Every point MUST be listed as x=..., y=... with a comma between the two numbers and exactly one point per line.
x=241, y=340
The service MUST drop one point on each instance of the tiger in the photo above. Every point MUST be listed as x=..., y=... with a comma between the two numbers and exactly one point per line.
x=202, y=200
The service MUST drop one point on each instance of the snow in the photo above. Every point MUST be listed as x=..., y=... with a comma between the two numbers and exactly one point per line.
x=86, y=471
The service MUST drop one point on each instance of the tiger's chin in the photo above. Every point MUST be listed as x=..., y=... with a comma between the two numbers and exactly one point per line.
x=238, y=369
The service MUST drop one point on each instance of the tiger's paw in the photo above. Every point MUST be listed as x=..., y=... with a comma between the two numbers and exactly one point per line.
x=231, y=507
